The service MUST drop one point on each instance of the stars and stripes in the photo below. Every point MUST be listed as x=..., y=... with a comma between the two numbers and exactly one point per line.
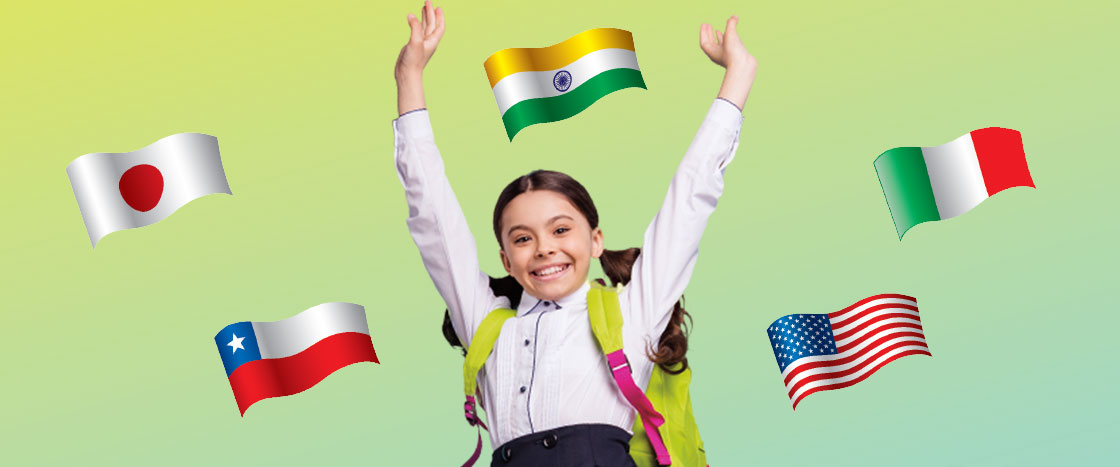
x=819, y=352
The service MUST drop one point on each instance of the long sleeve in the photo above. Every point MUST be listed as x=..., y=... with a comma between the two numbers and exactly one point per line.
x=438, y=226
x=672, y=240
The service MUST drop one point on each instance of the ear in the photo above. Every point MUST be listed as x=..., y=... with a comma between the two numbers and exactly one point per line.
x=596, y=243
x=505, y=260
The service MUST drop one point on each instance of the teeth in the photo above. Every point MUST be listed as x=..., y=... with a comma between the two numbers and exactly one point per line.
x=551, y=270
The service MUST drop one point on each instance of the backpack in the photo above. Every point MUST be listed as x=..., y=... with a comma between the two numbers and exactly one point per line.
x=665, y=432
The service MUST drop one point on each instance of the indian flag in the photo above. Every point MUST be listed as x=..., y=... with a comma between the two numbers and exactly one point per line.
x=935, y=183
x=556, y=82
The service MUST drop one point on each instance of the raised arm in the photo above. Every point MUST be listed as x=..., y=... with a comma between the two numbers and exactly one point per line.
x=435, y=220
x=424, y=36
x=671, y=243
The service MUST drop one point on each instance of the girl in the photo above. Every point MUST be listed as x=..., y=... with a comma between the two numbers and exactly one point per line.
x=547, y=390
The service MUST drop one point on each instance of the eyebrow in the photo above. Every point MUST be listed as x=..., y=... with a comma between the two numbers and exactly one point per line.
x=553, y=219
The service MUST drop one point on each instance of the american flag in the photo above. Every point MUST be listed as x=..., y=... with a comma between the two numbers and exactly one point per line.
x=839, y=349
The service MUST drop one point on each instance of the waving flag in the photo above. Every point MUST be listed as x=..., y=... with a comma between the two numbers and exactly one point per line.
x=142, y=187
x=553, y=83
x=820, y=352
x=281, y=358
x=932, y=184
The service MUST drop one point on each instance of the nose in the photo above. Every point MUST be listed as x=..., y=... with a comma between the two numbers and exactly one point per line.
x=545, y=248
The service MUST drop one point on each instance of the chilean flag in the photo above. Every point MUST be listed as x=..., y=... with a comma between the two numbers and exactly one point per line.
x=281, y=358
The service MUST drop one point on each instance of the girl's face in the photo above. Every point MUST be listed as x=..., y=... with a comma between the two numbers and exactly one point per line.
x=547, y=244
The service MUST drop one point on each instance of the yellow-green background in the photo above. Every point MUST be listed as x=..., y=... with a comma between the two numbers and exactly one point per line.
x=107, y=354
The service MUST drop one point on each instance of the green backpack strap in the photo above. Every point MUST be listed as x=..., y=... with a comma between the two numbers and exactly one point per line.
x=606, y=323
x=481, y=346
x=606, y=317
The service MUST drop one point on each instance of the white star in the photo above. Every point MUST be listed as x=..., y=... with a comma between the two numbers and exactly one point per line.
x=236, y=343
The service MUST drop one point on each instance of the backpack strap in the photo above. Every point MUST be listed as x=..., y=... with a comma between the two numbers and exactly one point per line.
x=481, y=346
x=606, y=323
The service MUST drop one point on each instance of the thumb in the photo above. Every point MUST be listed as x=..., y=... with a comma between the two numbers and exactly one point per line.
x=415, y=33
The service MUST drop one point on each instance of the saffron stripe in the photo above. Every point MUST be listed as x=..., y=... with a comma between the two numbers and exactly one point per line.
x=551, y=109
x=509, y=61
x=262, y=379
x=1002, y=159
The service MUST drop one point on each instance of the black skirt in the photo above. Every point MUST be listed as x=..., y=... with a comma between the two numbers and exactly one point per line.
x=591, y=445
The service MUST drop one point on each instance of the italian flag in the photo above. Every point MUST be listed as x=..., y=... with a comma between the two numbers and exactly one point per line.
x=556, y=82
x=935, y=183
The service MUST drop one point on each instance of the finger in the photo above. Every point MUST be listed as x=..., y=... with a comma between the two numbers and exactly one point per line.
x=732, y=24
x=429, y=18
x=438, y=33
x=719, y=37
x=706, y=37
x=414, y=27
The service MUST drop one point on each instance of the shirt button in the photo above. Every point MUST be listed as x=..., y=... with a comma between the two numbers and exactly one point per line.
x=547, y=303
x=523, y=388
x=526, y=341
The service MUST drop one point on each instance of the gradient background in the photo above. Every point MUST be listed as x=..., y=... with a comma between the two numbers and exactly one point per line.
x=108, y=354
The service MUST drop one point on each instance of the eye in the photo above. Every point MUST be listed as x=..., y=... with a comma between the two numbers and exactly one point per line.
x=561, y=230
x=521, y=239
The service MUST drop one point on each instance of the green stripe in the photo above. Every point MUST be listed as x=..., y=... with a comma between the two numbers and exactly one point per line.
x=905, y=180
x=551, y=109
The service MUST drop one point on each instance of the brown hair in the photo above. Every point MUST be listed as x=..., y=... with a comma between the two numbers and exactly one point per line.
x=616, y=264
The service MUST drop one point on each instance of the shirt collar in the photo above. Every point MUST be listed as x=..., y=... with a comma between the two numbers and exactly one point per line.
x=576, y=300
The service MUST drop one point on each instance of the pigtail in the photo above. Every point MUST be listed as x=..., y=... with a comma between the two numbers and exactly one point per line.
x=503, y=287
x=673, y=344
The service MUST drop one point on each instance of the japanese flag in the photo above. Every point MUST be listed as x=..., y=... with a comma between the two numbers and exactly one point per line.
x=118, y=191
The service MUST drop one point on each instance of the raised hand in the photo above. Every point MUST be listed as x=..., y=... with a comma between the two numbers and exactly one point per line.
x=424, y=36
x=726, y=50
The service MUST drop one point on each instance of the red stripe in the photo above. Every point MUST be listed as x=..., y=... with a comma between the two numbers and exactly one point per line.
x=261, y=379
x=839, y=323
x=867, y=300
x=880, y=340
x=1002, y=159
x=845, y=384
x=870, y=323
x=879, y=332
x=856, y=369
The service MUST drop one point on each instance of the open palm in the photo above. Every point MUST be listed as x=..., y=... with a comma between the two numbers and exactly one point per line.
x=725, y=48
x=422, y=41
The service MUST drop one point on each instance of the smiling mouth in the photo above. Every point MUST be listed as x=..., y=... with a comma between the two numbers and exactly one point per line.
x=550, y=272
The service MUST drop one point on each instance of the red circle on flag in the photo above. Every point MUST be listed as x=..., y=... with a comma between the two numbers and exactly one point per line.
x=141, y=187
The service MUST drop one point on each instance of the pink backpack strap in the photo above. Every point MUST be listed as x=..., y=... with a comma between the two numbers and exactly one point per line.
x=651, y=419
x=472, y=418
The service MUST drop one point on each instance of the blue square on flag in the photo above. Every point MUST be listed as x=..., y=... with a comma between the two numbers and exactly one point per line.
x=238, y=345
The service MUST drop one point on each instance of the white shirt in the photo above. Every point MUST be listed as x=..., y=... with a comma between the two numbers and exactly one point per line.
x=546, y=370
